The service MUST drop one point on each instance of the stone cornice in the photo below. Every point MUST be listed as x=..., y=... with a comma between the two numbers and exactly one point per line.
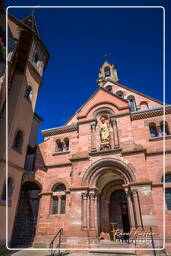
x=158, y=153
x=120, y=115
x=87, y=121
x=107, y=152
x=59, y=165
x=79, y=159
x=150, y=113
x=60, y=130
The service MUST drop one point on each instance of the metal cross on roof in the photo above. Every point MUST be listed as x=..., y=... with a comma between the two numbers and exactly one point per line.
x=106, y=55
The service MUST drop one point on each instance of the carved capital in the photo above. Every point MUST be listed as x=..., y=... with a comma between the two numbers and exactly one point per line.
x=134, y=192
x=113, y=120
x=85, y=195
x=92, y=195
x=93, y=124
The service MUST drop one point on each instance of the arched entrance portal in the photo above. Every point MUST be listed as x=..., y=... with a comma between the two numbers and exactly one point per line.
x=109, y=198
x=113, y=205
x=26, y=216
x=118, y=211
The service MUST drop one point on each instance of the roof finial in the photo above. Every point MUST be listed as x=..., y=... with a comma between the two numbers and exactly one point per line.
x=106, y=55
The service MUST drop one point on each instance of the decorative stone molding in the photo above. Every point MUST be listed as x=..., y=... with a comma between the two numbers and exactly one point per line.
x=60, y=130
x=107, y=152
x=60, y=153
x=59, y=165
x=85, y=195
x=93, y=135
x=132, y=148
x=92, y=195
x=115, y=133
x=150, y=113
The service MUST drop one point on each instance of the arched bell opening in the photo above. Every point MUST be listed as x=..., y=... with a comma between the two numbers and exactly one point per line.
x=113, y=206
x=26, y=216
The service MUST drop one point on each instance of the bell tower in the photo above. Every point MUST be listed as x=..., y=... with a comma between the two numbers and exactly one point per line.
x=108, y=72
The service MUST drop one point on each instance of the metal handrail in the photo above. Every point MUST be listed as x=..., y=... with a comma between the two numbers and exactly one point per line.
x=152, y=241
x=58, y=236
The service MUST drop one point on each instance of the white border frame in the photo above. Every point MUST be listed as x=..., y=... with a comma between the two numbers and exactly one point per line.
x=164, y=119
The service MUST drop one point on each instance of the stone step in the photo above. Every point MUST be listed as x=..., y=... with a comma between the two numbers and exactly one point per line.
x=111, y=253
x=106, y=253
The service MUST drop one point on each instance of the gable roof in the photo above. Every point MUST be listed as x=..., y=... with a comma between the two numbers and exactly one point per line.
x=91, y=97
x=30, y=21
x=135, y=91
x=101, y=88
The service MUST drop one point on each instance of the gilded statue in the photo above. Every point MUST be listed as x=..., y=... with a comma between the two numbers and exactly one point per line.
x=104, y=131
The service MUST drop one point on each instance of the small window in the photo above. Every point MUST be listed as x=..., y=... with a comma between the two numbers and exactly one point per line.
x=59, y=199
x=59, y=188
x=120, y=94
x=36, y=56
x=167, y=178
x=18, y=140
x=66, y=144
x=29, y=93
x=109, y=88
x=63, y=201
x=164, y=131
x=107, y=71
x=168, y=198
x=59, y=145
x=55, y=205
x=132, y=103
x=10, y=189
x=167, y=190
x=153, y=130
x=144, y=105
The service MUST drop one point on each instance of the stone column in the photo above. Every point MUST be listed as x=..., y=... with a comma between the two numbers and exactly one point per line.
x=93, y=209
x=137, y=208
x=104, y=218
x=93, y=136
x=115, y=132
x=130, y=208
x=59, y=204
x=84, y=209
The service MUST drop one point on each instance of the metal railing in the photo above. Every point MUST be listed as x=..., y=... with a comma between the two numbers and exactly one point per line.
x=55, y=244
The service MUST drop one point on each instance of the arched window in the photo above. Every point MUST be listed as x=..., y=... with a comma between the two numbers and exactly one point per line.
x=58, y=199
x=143, y=105
x=10, y=190
x=59, y=145
x=109, y=88
x=107, y=71
x=167, y=190
x=164, y=131
x=120, y=94
x=18, y=140
x=28, y=93
x=153, y=130
x=167, y=178
x=132, y=103
x=168, y=198
x=36, y=56
x=66, y=144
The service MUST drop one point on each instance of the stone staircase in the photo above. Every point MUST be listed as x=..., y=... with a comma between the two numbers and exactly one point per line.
x=109, y=248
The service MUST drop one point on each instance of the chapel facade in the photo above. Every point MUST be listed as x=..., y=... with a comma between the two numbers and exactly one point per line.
x=103, y=170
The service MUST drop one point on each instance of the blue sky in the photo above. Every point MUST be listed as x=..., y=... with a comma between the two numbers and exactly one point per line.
x=75, y=40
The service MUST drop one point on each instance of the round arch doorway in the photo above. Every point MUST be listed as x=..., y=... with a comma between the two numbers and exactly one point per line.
x=118, y=210
x=113, y=206
x=26, y=215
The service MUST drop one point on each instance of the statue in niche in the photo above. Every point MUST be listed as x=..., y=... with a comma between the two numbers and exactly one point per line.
x=104, y=132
